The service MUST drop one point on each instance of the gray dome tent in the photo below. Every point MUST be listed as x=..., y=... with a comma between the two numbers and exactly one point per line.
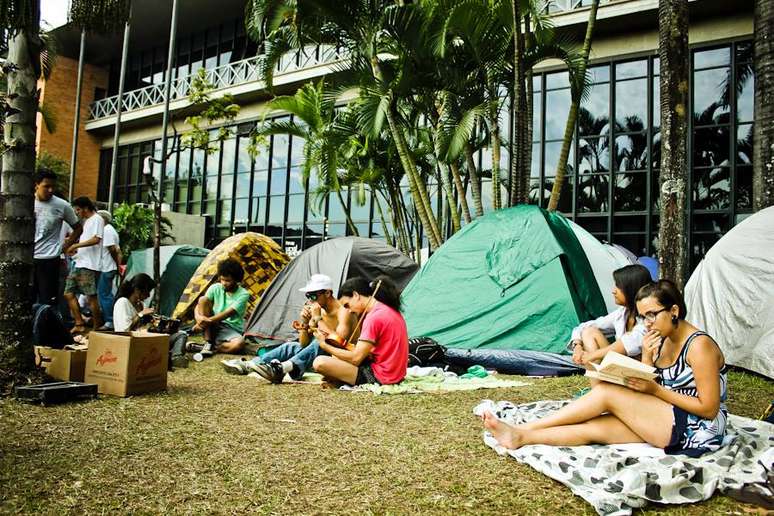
x=339, y=258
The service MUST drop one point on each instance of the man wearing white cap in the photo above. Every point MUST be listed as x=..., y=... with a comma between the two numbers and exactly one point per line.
x=321, y=315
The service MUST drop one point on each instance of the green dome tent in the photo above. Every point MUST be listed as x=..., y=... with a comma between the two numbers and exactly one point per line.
x=177, y=264
x=513, y=279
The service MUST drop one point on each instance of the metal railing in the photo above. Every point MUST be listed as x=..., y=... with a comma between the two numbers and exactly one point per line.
x=563, y=6
x=224, y=76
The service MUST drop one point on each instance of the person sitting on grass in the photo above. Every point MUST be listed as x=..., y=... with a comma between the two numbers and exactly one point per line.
x=589, y=341
x=129, y=313
x=683, y=412
x=321, y=313
x=381, y=352
x=220, y=312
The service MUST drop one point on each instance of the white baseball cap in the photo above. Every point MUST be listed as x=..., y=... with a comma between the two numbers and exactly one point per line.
x=317, y=283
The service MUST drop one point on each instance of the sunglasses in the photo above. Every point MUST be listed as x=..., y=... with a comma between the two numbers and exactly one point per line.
x=312, y=296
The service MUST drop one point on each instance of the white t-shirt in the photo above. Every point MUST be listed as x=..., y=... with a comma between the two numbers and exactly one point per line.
x=123, y=313
x=49, y=216
x=110, y=237
x=91, y=257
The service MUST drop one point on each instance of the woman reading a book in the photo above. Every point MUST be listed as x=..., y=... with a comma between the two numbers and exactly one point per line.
x=683, y=411
x=381, y=352
x=589, y=341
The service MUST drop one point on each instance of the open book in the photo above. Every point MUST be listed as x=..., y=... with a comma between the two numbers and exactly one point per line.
x=615, y=367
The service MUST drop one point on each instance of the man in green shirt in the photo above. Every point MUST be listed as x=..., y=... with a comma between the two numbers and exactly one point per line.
x=220, y=312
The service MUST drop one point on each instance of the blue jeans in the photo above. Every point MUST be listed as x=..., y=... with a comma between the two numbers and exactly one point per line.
x=301, y=357
x=105, y=295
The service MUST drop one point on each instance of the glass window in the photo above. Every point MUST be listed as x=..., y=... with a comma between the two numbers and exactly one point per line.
x=357, y=211
x=228, y=162
x=279, y=162
x=595, y=225
x=557, y=80
x=711, y=189
x=537, y=115
x=297, y=151
x=656, y=120
x=631, y=105
x=711, y=146
x=227, y=185
x=296, y=181
x=636, y=243
x=553, y=150
x=242, y=185
x=744, y=144
x=258, y=210
x=335, y=211
x=134, y=170
x=593, y=155
x=710, y=58
x=277, y=209
x=225, y=211
x=631, y=152
x=244, y=162
x=240, y=211
x=565, y=198
x=631, y=70
x=745, y=99
x=296, y=208
x=630, y=192
x=709, y=89
x=557, y=107
x=594, y=112
x=593, y=193
x=599, y=73
x=743, y=188
x=260, y=182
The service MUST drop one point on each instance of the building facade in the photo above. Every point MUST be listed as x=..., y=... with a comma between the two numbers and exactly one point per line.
x=613, y=187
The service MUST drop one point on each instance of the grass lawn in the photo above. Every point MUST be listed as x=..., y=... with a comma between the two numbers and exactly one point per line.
x=215, y=443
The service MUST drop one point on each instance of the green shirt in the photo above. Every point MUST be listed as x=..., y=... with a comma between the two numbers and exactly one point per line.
x=222, y=301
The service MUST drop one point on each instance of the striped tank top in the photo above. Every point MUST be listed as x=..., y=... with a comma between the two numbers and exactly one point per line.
x=700, y=434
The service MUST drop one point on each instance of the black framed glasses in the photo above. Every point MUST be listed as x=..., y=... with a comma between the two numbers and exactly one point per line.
x=651, y=316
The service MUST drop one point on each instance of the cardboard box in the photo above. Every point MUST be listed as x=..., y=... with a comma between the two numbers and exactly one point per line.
x=63, y=364
x=124, y=364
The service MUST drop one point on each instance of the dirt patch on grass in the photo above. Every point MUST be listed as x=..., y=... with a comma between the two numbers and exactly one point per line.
x=228, y=444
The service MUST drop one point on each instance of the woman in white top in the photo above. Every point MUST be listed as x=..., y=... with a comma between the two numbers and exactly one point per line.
x=589, y=341
x=129, y=313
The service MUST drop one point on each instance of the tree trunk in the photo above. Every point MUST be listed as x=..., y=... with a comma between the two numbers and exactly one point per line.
x=416, y=184
x=475, y=181
x=763, y=139
x=17, y=218
x=344, y=207
x=455, y=171
x=385, y=230
x=450, y=200
x=528, y=120
x=572, y=117
x=674, y=57
x=519, y=180
x=494, y=134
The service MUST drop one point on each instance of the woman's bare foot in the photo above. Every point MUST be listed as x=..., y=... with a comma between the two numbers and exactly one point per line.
x=505, y=434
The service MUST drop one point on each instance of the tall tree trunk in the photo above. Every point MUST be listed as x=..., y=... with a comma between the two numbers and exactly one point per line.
x=528, y=120
x=494, y=133
x=519, y=180
x=385, y=229
x=475, y=181
x=763, y=139
x=572, y=116
x=416, y=184
x=674, y=57
x=17, y=218
x=450, y=200
x=344, y=207
x=455, y=171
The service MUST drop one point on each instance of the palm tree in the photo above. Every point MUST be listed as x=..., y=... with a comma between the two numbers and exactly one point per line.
x=578, y=86
x=763, y=141
x=674, y=58
x=21, y=19
x=314, y=118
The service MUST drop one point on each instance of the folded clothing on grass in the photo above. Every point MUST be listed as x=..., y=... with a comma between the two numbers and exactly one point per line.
x=442, y=382
x=615, y=479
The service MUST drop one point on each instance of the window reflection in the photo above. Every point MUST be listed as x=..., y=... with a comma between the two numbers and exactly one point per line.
x=711, y=188
x=630, y=191
x=593, y=155
x=710, y=100
x=710, y=58
x=711, y=146
x=631, y=152
x=744, y=144
x=631, y=105
x=593, y=192
x=557, y=106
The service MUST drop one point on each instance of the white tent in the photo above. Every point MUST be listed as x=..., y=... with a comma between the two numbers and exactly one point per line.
x=731, y=294
x=604, y=259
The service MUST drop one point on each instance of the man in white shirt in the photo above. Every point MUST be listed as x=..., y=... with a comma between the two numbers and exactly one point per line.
x=88, y=262
x=111, y=260
x=51, y=212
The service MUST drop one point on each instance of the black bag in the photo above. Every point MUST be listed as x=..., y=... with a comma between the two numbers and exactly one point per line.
x=48, y=328
x=426, y=352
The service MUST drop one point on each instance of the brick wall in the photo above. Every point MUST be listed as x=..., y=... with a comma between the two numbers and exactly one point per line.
x=58, y=92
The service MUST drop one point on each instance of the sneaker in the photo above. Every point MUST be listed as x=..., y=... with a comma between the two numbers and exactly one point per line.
x=206, y=352
x=237, y=366
x=272, y=371
x=193, y=347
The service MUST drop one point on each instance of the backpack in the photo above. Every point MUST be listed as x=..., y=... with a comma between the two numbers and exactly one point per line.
x=426, y=352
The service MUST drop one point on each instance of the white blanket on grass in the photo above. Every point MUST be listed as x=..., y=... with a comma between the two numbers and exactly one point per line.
x=615, y=479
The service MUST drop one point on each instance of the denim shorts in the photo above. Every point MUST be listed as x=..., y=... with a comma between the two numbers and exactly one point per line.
x=365, y=374
x=224, y=332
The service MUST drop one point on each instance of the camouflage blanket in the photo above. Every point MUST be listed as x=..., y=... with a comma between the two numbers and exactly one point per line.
x=615, y=479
